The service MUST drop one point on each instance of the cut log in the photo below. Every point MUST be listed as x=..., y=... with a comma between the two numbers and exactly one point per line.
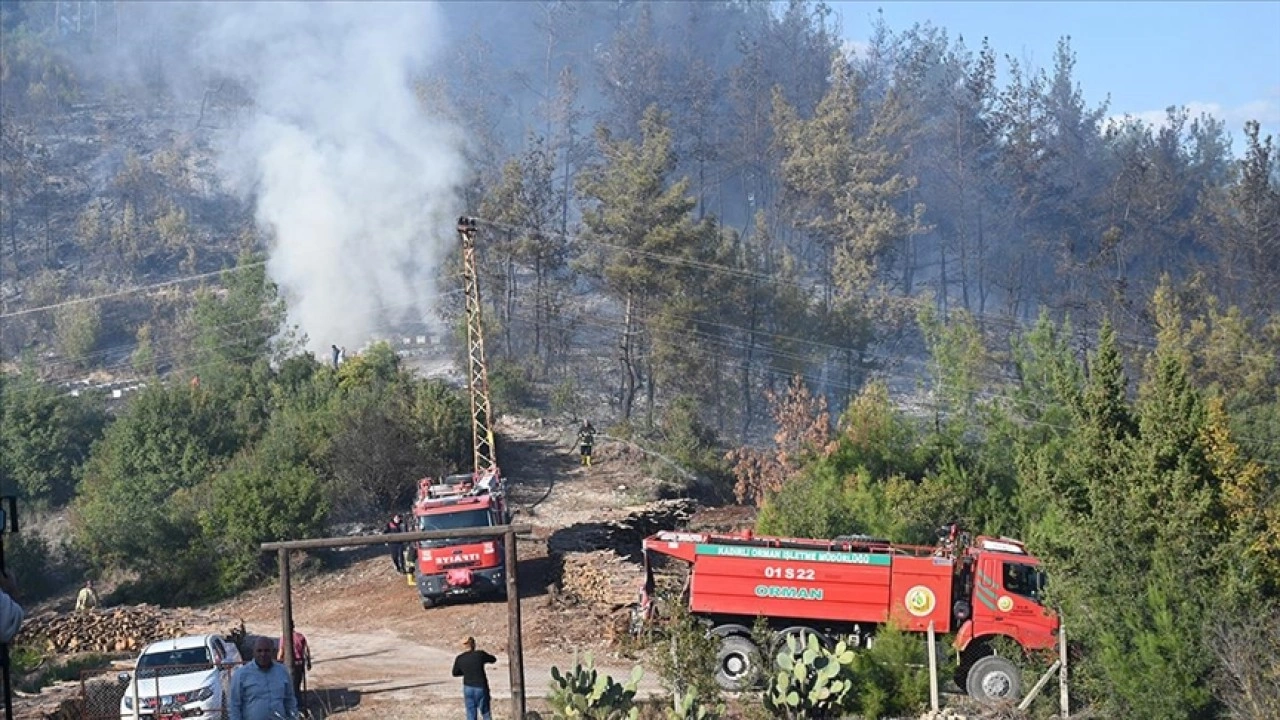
x=126, y=628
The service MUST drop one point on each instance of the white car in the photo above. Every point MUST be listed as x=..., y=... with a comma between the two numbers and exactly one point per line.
x=180, y=678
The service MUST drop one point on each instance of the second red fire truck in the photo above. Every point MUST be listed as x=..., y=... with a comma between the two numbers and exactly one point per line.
x=981, y=590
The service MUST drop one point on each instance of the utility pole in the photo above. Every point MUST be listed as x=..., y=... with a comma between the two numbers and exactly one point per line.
x=482, y=441
x=5, y=524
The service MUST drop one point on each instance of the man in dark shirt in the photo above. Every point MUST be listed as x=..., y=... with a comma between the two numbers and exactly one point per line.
x=475, y=685
x=395, y=526
x=301, y=662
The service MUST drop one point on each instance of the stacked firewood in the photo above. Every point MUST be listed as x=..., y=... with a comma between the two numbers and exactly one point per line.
x=127, y=628
x=600, y=579
x=599, y=565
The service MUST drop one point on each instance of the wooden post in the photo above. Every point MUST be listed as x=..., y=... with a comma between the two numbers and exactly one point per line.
x=286, y=615
x=1044, y=680
x=1064, y=704
x=933, y=669
x=515, y=649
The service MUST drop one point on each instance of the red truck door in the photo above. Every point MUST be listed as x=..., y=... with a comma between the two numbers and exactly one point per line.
x=1006, y=601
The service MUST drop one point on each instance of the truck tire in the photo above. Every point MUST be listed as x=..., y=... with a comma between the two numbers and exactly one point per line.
x=429, y=602
x=994, y=678
x=738, y=664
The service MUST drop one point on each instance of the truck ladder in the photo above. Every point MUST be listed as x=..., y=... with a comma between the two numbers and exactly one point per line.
x=478, y=373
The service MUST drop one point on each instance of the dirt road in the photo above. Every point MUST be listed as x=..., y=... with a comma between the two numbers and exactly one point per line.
x=377, y=653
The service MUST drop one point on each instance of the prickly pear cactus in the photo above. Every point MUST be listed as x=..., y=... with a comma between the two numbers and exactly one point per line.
x=811, y=682
x=583, y=693
x=690, y=707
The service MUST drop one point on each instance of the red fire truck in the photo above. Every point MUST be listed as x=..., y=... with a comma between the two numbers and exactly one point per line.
x=979, y=590
x=460, y=568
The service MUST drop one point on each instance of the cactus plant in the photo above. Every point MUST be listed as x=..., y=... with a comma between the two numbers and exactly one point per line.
x=583, y=693
x=689, y=706
x=811, y=681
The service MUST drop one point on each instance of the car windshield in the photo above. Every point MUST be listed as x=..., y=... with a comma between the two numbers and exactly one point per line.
x=174, y=662
x=454, y=520
x=1028, y=581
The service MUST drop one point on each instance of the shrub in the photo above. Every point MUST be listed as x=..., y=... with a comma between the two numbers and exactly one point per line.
x=814, y=505
x=891, y=678
x=78, y=329
x=45, y=437
x=565, y=398
x=40, y=568
x=684, y=654
x=259, y=500
x=168, y=440
x=509, y=386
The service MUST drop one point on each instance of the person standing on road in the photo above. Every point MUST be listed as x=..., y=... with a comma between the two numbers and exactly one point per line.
x=396, y=525
x=301, y=663
x=475, y=684
x=260, y=689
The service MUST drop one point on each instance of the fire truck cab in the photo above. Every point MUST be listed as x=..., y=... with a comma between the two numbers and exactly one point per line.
x=460, y=567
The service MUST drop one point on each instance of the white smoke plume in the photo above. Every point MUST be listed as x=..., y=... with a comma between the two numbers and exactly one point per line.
x=357, y=187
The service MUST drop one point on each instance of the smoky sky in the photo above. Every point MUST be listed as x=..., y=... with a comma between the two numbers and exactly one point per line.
x=354, y=184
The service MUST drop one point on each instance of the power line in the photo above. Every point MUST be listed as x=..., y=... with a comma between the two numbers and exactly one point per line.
x=177, y=353
x=129, y=291
x=1146, y=341
x=700, y=348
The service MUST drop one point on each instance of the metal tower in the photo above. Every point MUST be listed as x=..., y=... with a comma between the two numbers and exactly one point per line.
x=478, y=373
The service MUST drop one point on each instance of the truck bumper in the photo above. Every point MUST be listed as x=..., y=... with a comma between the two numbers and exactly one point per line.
x=478, y=583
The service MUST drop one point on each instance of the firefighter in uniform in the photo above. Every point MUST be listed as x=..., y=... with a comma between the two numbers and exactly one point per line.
x=586, y=439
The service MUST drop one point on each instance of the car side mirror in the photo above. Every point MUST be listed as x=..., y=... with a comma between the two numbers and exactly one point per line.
x=123, y=678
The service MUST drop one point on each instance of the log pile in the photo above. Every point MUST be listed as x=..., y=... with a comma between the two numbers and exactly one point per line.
x=600, y=579
x=124, y=629
x=623, y=536
x=598, y=565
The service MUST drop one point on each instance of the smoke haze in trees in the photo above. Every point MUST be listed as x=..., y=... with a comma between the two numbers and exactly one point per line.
x=355, y=186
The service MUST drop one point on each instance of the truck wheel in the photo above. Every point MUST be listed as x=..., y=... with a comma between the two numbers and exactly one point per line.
x=737, y=663
x=429, y=602
x=994, y=678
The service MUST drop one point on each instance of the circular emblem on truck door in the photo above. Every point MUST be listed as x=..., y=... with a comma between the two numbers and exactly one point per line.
x=920, y=601
x=1005, y=603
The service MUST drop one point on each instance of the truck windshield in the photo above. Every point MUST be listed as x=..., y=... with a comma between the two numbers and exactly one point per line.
x=454, y=520
x=1025, y=580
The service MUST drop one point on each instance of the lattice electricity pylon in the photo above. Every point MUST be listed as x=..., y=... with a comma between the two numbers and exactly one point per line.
x=478, y=372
